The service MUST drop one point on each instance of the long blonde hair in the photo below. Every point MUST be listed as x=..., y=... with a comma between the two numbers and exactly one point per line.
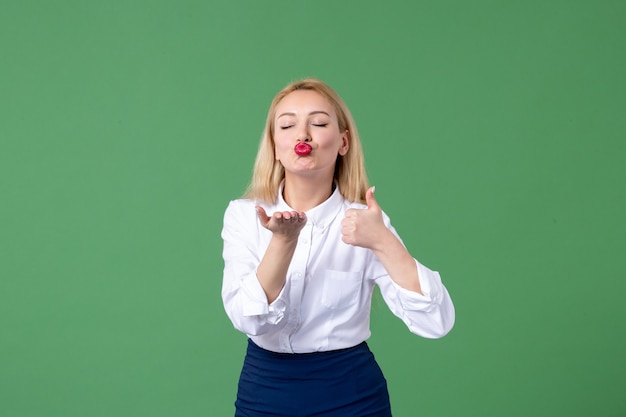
x=350, y=172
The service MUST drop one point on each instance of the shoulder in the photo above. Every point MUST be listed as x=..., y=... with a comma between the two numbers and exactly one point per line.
x=241, y=204
x=244, y=208
x=347, y=204
x=240, y=209
x=247, y=205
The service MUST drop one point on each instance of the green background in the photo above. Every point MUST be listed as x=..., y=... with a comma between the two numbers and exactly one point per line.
x=494, y=132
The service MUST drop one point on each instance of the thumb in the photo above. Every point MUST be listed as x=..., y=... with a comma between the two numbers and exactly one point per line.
x=262, y=215
x=370, y=200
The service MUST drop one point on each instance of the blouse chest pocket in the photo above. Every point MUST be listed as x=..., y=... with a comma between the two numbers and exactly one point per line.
x=341, y=289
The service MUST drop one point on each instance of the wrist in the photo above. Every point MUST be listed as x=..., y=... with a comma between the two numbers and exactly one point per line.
x=286, y=241
x=385, y=240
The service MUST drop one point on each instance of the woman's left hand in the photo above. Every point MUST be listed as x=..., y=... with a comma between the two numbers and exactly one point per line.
x=364, y=227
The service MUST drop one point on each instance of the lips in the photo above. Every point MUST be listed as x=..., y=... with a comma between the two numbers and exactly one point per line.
x=302, y=148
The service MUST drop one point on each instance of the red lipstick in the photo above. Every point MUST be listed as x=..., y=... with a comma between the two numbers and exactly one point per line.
x=302, y=148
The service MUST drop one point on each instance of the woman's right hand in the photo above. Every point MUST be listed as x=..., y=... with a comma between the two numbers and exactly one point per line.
x=287, y=224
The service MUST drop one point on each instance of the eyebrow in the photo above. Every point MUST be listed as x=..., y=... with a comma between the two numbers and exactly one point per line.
x=310, y=114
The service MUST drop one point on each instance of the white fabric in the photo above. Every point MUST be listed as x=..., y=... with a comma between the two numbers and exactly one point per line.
x=325, y=303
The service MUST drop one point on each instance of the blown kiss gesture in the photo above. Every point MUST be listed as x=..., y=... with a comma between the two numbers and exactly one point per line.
x=287, y=224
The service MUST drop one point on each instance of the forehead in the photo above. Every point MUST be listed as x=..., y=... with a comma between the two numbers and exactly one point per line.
x=304, y=102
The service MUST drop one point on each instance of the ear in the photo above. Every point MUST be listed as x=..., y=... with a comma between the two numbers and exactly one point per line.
x=345, y=143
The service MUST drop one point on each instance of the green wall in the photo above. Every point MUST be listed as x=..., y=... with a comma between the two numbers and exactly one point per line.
x=494, y=132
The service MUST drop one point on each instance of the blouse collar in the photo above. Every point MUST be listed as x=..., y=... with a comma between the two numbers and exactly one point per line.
x=321, y=215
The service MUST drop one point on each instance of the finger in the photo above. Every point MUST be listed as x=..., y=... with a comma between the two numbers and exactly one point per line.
x=347, y=227
x=262, y=215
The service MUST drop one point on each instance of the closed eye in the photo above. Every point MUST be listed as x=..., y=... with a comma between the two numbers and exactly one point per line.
x=320, y=124
x=286, y=127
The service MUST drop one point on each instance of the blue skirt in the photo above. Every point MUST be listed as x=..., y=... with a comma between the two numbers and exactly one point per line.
x=338, y=383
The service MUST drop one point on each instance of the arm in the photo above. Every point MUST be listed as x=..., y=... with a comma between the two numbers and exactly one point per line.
x=367, y=229
x=430, y=315
x=285, y=228
x=413, y=292
x=246, y=300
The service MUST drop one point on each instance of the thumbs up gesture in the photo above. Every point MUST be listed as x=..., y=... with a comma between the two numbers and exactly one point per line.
x=364, y=227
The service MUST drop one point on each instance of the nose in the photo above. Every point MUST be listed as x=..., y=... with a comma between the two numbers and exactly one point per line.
x=302, y=133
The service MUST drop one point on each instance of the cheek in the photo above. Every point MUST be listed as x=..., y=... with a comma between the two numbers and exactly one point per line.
x=281, y=145
x=331, y=141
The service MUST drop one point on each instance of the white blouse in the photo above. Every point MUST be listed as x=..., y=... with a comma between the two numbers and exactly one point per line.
x=325, y=303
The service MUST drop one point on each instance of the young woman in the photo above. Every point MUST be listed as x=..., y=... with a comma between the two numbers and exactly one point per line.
x=303, y=250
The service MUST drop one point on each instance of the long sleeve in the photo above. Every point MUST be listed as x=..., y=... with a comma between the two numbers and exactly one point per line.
x=326, y=300
x=430, y=315
x=244, y=299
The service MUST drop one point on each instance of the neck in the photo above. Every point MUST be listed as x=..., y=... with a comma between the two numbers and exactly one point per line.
x=303, y=194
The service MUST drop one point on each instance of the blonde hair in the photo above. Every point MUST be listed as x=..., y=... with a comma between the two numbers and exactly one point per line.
x=350, y=172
